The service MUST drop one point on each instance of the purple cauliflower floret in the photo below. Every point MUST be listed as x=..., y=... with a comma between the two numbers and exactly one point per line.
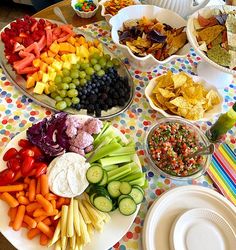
x=73, y=123
x=88, y=149
x=82, y=139
x=77, y=150
x=93, y=126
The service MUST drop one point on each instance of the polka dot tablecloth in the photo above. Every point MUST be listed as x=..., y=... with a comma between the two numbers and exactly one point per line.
x=18, y=112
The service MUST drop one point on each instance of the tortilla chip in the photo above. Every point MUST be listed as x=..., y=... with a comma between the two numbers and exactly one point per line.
x=213, y=97
x=179, y=80
x=177, y=43
x=181, y=102
x=196, y=112
x=166, y=93
x=210, y=33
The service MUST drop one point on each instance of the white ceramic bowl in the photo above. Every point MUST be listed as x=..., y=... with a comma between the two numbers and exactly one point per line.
x=84, y=14
x=103, y=11
x=137, y=12
x=191, y=33
x=207, y=115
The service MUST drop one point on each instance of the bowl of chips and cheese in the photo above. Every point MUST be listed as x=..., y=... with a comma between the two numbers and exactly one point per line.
x=184, y=95
x=148, y=35
x=111, y=7
x=212, y=33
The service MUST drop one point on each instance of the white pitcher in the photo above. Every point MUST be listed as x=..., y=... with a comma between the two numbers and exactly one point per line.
x=182, y=7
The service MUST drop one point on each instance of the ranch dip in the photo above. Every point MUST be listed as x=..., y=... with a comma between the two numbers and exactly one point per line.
x=67, y=175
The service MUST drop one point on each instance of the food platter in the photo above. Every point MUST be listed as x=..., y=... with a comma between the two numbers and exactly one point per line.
x=164, y=211
x=45, y=100
x=112, y=233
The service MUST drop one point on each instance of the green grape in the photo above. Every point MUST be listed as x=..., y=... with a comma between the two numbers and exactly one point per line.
x=102, y=61
x=74, y=74
x=89, y=71
x=107, y=56
x=72, y=86
x=96, y=56
x=58, y=98
x=57, y=79
x=82, y=74
x=52, y=88
x=65, y=72
x=83, y=82
x=93, y=61
x=64, y=86
x=76, y=82
x=63, y=93
x=84, y=65
x=54, y=94
x=101, y=72
x=88, y=77
x=115, y=61
x=68, y=101
x=67, y=79
x=97, y=67
x=72, y=93
x=60, y=105
x=109, y=64
x=73, y=67
x=75, y=100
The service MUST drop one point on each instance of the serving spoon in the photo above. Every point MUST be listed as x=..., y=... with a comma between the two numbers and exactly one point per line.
x=208, y=150
x=57, y=11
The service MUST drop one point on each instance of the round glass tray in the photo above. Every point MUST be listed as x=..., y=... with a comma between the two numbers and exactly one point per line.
x=47, y=101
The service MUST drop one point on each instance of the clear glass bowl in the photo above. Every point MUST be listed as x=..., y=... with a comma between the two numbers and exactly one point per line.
x=203, y=141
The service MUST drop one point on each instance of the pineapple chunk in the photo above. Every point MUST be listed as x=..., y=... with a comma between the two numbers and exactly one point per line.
x=66, y=65
x=39, y=88
x=57, y=65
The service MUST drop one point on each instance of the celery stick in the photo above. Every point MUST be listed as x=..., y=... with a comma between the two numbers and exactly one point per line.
x=145, y=185
x=104, y=151
x=131, y=177
x=106, y=125
x=115, y=160
x=134, y=169
x=114, y=174
x=109, y=132
x=123, y=151
x=110, y=167
x=140, y=181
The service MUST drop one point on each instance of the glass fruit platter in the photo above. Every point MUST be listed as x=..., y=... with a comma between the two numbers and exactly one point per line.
x=110, y=107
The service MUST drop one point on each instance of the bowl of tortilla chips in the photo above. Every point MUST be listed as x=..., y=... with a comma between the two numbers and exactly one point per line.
x=149, y=35
x=211, y=31
x=184, y=95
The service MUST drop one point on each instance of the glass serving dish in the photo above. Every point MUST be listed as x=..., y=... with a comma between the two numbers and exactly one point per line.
x=46, y=101
x=202, y=141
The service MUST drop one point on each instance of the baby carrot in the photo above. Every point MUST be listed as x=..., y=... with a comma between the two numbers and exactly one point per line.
x=12, y=188
x=20, y=193
x=60, y=202
x=43, y=239
x=53, y=202
x=32, y=233
x=27, y=180
x=47, y=222
x=9, y=199
x=38, y=190
x=50, y=196
x=39, y=212
x=32, y=189
x=32, y=207
x=44, y=184
x=19, y=218
x=12, y=213
x=47, y=206
x=40, y=218
x=23, y=200
x=45, y=229
x=29, y=221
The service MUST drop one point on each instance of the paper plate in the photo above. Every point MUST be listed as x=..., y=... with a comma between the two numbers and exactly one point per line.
x=203, y=229
x=164, y=211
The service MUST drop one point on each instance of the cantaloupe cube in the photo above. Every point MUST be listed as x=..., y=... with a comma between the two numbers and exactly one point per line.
x=67, y=47
x=35, y=76
x=39, y=88
x=36, y=62
x=54, y=47
x=71, y=40
x=44, y=55
x=30, y=82
x=43, y=66
x=48, y=60
x=40, y=75
x=81, y=40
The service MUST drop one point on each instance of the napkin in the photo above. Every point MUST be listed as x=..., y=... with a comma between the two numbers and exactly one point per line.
x=223, y=171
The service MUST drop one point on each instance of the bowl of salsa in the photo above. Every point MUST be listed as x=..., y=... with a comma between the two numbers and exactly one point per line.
x=169, y=145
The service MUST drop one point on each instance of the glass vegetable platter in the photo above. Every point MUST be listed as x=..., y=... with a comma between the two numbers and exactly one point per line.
x=48, y=102
x=112, y=232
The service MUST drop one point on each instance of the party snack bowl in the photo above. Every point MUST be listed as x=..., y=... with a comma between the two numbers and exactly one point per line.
x=207, y=115
x=136, y=12
x=166, y=165
x=84, y=14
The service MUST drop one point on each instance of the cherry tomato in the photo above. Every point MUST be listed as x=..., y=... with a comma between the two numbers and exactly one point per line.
x=12, y=152
x=26, y=152
x=41, y=168
x=14, y=164
x=24, y=143
x=6, y=177
x=37, y=152
x=27, y=165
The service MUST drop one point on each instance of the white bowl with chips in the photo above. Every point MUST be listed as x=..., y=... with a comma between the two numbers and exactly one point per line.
x=103, y=11
x=210, y=70
x=136, y=12
x=216, y=109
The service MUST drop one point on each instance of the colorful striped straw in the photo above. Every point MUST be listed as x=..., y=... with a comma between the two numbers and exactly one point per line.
x=223, y=171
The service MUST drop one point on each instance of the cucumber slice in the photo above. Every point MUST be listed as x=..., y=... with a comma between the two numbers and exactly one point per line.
x=103, y=182
x=140, y=188
x=123, y=196
x=103, y=203
x=113, y=189
x=137, y=195
x=127, y=206
x=91, y=197
x=125, y=187
x=94, y=174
